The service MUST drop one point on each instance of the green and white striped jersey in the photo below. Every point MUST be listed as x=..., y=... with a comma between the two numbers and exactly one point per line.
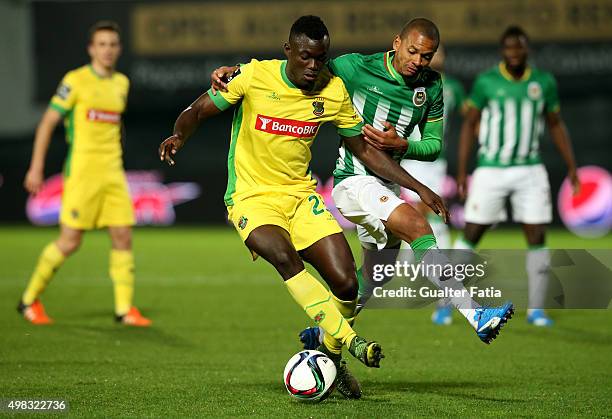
x=454, y=97
x=512, y=120
x=379, y=94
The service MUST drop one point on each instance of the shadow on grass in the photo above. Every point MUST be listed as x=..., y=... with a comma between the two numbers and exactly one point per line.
x=390, y=391
x=567, y=334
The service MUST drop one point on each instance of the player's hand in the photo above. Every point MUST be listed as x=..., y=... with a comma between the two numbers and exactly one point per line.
x=433, y=201
x=462, y=186
x=573, y=177
x=386, y=140
x=217, y=77
x=33, y=181
x=168, y=149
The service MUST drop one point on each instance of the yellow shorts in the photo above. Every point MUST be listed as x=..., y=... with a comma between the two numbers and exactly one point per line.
x=96, y=200
x=304, y=216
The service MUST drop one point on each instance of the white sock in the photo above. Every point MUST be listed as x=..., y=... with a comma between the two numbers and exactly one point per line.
x=440, y=231
x=538, y=266
x=464, y=303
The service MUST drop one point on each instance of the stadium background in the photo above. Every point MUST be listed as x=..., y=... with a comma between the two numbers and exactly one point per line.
x=171, y=47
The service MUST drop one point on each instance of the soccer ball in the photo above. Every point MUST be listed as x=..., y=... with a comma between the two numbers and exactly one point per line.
x=310, y=376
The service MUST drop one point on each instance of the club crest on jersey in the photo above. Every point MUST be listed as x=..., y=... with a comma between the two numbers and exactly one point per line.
x=318, y=106
x=242, y=222
x=534, y=90
x=419, y=97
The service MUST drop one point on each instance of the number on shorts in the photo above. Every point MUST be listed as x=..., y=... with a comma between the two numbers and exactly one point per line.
x=315, y=208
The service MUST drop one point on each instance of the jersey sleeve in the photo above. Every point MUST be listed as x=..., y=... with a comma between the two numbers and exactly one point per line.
x=478, y=97
x=344, y=66
x=436, y=108
x=65, y=97
x=551, y=95
x=430, y=145
x=237, y=87
x=348, y=122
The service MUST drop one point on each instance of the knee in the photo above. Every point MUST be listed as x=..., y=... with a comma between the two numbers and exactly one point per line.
x=122, y=239
x=346, y=287
x=69, y=245
x=287, y=263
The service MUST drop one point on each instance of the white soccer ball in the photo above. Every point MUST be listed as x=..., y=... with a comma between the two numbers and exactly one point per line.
x=310, y=376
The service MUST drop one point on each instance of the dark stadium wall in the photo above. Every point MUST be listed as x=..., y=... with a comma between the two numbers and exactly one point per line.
x=166, y=79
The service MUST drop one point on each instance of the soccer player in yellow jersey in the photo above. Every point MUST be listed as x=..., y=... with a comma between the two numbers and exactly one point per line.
x=271, y=196
x=91, y=100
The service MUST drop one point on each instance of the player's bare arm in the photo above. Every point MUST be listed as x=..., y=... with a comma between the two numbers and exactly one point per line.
x=35, y=175
x=467, y=138
x=217, y=77
x=383, y=165
x=560, y=136
x=185, y=125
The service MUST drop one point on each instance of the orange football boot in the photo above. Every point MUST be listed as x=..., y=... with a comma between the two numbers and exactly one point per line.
x=34, y=313
x=134, y=318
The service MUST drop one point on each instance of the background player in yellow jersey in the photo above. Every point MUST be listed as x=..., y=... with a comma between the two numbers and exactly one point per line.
x=271, y=196
x=91, y=100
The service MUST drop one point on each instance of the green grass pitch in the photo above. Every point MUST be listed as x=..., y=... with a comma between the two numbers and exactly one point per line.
x=224, y=328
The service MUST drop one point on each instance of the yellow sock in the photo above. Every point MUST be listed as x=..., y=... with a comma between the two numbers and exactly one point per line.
x=122, y=274
x=49, y=261
x=317, y=302
x=347, y=309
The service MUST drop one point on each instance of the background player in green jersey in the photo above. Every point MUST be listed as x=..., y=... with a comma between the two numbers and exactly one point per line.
x=511, y=102
x=395, y=92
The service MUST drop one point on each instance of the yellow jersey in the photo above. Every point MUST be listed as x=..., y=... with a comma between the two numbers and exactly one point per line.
x=274, y=126
x=92, y=106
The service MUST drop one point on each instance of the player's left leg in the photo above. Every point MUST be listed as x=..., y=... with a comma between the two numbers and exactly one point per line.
x=117, y=214
x=121, y=271
x=538, y=267
x=532, y=206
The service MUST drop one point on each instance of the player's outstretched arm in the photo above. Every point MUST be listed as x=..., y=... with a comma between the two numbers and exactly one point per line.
x=467, y=138
x=561, y=138
x=383, y=165
x=185, y=125
x=35, y=175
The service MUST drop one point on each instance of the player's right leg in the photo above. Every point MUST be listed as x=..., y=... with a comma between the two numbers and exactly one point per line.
x=50, y=260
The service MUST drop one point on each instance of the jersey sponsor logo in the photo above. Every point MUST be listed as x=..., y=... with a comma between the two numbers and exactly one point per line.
x=288, y=127
x=319, y=106
x=109, y=117
x=63, y=91
x=419, y=97
x=534, y=90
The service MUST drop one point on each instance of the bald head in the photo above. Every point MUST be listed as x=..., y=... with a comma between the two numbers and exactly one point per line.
x=423, y=26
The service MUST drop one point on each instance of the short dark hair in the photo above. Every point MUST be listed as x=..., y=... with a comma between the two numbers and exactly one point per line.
x=513, y=31
x=423, y=26
x=311, y=26
x=103, y=25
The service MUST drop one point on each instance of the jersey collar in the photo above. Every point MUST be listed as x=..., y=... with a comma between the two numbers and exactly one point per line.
x=506, y=74
x=93, y=71
x=388, y=58
x=283, y=70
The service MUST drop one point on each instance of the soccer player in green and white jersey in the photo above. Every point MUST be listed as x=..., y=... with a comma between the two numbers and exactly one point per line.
x=511, y=102
x=433, y=174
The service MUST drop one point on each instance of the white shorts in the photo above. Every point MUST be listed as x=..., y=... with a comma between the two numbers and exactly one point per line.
x=430, y=174
x=367, y=202
x=526, y=186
